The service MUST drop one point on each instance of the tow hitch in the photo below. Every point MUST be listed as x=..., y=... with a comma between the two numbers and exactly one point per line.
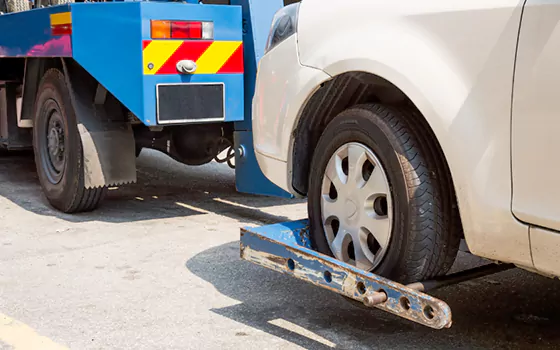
x=286, y=248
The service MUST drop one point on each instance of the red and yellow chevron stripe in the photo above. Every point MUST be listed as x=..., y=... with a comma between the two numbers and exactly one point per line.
x=211, y=57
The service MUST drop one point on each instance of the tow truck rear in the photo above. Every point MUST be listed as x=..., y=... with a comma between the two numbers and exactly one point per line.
x=88, y=85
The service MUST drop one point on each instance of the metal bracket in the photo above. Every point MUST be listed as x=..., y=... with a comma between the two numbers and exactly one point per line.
x=286, y=248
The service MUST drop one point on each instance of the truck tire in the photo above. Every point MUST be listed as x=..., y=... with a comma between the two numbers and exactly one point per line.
x=381, y=196
x=58, y=148
x=16, y=5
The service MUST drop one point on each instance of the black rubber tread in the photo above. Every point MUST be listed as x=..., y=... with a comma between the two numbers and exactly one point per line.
x=427, y=229
x=450, y=217
x=69, y=195
x=447, y=226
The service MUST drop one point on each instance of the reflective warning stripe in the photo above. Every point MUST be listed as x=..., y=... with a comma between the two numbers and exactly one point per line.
x=157, y=53
x=211, y=57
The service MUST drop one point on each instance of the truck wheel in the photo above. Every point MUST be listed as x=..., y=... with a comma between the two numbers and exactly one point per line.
x=58, y=148
x=380, y=195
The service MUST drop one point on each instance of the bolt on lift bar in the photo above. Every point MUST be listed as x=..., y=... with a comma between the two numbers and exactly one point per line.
x=286, y=248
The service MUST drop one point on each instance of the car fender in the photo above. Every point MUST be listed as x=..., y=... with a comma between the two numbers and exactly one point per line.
x=460, y=79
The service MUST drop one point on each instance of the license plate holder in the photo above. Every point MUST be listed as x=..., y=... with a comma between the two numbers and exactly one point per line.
x=183, y=103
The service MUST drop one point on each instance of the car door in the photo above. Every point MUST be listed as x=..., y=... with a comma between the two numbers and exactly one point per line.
x=536, y=129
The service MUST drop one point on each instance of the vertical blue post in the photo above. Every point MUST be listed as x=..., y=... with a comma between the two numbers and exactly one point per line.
x=257, y=18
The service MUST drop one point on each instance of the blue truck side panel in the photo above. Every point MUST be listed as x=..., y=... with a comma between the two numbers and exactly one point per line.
x=28, y=34
x=107, y=43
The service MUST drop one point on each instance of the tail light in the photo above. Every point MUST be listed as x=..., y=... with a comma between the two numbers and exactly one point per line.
x=182, y=30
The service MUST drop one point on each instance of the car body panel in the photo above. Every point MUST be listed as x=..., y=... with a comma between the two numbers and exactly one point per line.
x=545, y=247
x=535, y=121
x=459, y=75
x=454, y=60
x=535, y=128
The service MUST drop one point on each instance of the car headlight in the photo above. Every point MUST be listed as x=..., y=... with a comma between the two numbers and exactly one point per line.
x=284, y=25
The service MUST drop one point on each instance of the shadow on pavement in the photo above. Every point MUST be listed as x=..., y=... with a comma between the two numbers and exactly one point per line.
x=165, y=189
x=512, y=310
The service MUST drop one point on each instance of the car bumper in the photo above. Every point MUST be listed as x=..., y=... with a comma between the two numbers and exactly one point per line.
x=283, y=87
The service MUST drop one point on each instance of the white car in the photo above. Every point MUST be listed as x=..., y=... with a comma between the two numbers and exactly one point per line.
x=412, y=124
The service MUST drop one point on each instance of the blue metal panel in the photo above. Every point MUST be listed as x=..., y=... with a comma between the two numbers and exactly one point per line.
x=286, y=248
x=107, y=40
x=257, y=18
x=248, y=175
x=28, y=34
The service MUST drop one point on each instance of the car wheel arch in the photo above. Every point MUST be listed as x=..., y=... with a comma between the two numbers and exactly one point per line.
x=331, y=98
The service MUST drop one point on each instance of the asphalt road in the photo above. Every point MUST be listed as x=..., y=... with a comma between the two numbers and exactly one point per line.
x=157, y=267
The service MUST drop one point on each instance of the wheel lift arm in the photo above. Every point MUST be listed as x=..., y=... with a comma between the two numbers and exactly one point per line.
x=287, y=248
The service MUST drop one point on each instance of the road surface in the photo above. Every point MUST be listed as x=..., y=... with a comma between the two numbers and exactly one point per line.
x=157, y=267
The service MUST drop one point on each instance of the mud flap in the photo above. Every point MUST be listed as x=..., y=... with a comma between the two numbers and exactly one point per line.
x=107, y=138
x=109, y=154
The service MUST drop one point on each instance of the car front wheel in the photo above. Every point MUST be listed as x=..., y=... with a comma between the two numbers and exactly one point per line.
x=380, y=195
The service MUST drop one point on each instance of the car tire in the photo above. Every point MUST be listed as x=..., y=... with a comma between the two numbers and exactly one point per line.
x=58, y=148
x=424, y=230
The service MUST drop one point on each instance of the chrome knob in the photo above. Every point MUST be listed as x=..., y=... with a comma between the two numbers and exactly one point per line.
x=186, y=66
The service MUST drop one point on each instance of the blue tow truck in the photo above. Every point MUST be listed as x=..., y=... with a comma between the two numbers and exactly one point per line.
x=87, y=85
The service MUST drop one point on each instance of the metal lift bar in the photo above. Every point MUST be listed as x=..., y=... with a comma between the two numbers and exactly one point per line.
x=286, y=248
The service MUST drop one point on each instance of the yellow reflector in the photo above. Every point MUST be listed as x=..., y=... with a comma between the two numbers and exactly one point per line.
x=61, y=18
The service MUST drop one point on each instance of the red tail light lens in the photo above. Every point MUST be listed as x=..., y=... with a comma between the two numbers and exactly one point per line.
x=186, y=30
x=182, y=30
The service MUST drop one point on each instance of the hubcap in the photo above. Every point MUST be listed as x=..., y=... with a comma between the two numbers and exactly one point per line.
x=55, y=147
x=356, y=206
